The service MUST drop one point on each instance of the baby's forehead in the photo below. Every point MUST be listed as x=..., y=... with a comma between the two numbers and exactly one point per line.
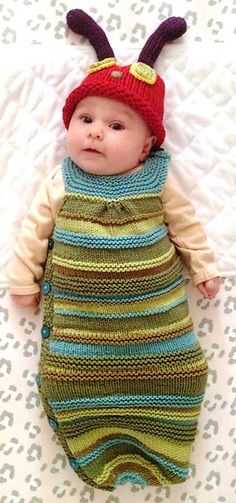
x=105, y=104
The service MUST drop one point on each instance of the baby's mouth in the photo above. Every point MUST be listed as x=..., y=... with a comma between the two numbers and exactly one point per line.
x=92, y=150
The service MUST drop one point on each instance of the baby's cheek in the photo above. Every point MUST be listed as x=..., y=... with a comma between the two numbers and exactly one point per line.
x=69, y=143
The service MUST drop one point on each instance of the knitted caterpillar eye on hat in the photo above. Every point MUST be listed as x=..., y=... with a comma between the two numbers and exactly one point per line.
x=136, y=85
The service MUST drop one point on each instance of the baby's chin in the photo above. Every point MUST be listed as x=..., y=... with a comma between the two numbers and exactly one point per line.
x=100, y=169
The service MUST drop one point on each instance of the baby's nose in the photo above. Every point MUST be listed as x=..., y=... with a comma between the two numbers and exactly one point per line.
x=96, y=132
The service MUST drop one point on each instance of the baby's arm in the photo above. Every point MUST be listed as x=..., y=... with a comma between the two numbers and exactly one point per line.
x=188, y=236
x=27, y=266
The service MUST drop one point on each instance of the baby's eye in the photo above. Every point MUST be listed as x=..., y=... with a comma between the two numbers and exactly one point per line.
x=86, y=119
x=117, y=126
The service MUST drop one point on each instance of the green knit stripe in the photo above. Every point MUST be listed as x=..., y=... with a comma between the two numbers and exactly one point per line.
x=66, y=368
x=161, y=332
x=115, y=229
x=88, y=437
x=113, y=267
x=122, y=325
x=120, y=309
x=102, y=387
x=173, y=429
x=115, y=283
x=104, y=211
x=68, y=250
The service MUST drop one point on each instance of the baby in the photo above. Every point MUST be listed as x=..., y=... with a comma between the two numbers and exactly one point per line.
x=122, y=376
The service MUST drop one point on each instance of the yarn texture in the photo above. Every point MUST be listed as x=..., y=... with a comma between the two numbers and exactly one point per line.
x=122, y=375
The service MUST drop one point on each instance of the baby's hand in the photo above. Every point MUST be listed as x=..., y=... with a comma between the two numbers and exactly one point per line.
x=31, y=300
x=209, y=288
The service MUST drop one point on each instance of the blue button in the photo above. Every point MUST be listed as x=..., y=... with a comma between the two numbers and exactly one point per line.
x=46, y=287
x=53, y=423
x=38, y=380
x=45, y=331
x=74, y=463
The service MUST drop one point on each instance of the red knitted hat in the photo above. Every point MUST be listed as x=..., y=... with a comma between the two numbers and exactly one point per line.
x=136, y=85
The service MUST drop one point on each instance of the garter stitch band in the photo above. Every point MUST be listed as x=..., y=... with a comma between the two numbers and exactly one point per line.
x=122, y=375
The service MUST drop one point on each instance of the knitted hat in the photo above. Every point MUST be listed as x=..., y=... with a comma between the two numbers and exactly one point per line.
x=136, y=85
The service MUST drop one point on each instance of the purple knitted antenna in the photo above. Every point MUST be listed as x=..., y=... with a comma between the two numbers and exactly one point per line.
x=169, y=30
x=81, y=23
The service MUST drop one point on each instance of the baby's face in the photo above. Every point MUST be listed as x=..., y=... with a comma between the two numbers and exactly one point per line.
x=107, y=137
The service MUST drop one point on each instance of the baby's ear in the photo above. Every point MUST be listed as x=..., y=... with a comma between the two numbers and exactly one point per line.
x=150, y=141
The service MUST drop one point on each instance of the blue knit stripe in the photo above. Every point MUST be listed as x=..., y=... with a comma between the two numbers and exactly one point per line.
x=176, y=344
x=129, y=477
x=110, y=242
x=151, y=178
x=127, y=401
x=97, y=451
x=147, y=312
x=116, y=299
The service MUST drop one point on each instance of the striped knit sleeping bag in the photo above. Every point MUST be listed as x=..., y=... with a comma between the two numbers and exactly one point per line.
x=122, y=376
